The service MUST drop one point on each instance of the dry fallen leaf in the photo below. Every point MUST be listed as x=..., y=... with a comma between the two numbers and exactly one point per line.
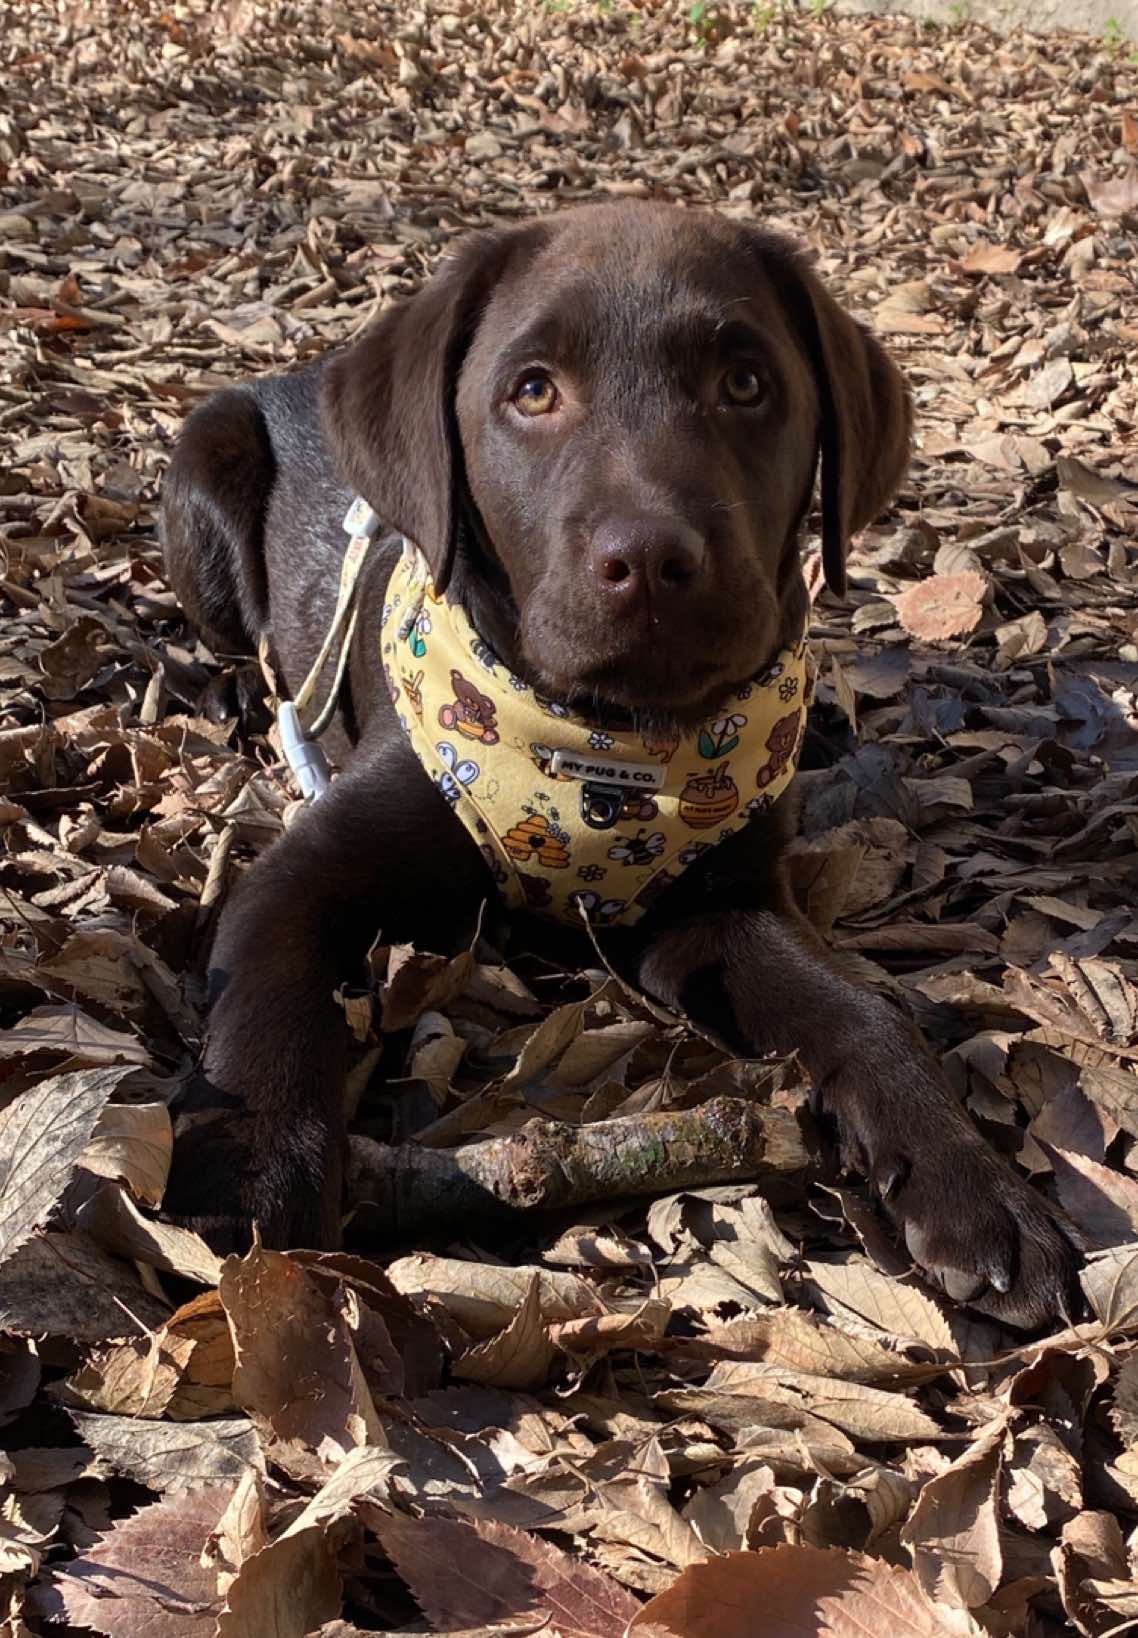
x=798, y=1590
x=145, y=1578
x=171, y=1456
x=474, y=1574
x=684, y=1377
x=953, y=1531
x=297, y=1371
x=42, y=1135
x=132, y=1143
x=988, y=258
x=945, y=605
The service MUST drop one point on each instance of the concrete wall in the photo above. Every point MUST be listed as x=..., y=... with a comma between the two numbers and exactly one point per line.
x=1085, y=16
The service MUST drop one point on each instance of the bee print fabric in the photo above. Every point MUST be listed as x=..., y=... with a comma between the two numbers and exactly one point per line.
x=490, y=743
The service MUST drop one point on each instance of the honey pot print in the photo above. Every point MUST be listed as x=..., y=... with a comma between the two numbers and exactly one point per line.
x=709, y=797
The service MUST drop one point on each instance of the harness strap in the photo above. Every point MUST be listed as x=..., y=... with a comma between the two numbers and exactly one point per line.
x=307, y=761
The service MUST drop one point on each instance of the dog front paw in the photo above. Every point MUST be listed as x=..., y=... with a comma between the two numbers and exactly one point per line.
x=986, y=1236
x=970, y=1222
x=228, y=1175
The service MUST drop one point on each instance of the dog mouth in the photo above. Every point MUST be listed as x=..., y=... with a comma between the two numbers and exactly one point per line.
x=618, y=692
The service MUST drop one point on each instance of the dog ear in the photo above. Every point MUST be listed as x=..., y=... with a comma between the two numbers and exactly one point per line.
x=388, y=401
x=865, y=412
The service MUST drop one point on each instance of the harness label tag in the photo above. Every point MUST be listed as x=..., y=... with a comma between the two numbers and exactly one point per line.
x=573, y=765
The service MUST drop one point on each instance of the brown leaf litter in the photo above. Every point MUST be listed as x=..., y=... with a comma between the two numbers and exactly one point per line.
x=731, y=1404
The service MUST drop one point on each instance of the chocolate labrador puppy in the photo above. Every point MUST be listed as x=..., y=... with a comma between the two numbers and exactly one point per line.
x=602, y=429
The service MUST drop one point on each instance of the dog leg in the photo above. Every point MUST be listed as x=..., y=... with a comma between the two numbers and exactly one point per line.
x=262, y=1136
x=763, y=980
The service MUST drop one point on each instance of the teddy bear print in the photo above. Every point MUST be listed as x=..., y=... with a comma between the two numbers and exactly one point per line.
x=471, y=712
x=781, y=741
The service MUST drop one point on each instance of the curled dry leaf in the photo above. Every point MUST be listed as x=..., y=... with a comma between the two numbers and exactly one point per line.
x=520, y=1356
x=484, y=1299
x=112, y=1220
x=1091, y=1556
x=182, y=1372
x=132, y=1144
x=298, y=1373
x=953, y=1530
x=642, y=1329
x=241, y=1531
x=292, y=1584
x=944, y=606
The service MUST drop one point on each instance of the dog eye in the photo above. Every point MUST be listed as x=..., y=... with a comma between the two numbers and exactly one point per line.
x=742, y=386
x=537, y=395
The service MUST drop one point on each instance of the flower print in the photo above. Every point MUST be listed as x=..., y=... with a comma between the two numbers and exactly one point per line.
x=518, y=684
x=745, y=692
x=787, y=689
x=758, y=804
x=600, y=742
x=419, y=634
x=722, y=737
x=770, y=675
x=592, y=873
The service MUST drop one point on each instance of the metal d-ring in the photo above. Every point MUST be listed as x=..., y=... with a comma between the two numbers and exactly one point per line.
x=601, y=805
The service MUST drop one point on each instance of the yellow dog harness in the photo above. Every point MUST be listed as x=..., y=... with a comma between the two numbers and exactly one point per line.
x=571, y=817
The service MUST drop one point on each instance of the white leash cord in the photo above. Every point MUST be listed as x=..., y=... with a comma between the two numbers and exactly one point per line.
x=299, y=745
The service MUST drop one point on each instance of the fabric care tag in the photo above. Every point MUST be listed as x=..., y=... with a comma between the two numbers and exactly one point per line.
x=359, y=519
x=575, y=766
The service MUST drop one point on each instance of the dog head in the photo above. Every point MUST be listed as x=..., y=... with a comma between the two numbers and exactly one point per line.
x=606, y=426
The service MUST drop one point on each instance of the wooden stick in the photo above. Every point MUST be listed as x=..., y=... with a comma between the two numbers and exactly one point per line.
x=549, y=1164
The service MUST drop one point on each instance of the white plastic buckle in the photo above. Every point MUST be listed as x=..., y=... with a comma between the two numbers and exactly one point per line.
x=359, y=519
x=304, y=756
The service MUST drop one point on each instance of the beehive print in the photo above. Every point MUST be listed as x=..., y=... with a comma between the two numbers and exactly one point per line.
x=536, y=840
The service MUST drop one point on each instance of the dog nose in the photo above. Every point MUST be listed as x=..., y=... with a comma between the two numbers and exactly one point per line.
x=635, y=558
